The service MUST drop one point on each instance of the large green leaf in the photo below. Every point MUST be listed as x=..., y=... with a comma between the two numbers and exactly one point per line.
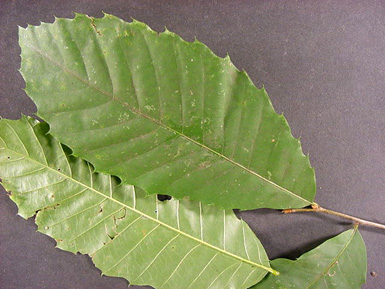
x=164, y=114
x=174, y=244
x=339, y=263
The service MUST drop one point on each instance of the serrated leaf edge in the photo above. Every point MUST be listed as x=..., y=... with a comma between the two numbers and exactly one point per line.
x=199, y=241
x=138, y=112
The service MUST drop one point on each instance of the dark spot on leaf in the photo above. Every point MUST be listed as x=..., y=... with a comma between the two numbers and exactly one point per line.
x=59, y=169
x=111, y=237
x=9, y=158
x=52, y=195
x=36, y=212
x=100, y=210
x=164, y=197
x=53, y=206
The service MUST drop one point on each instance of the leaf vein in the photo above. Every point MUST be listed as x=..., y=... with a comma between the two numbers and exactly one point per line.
x=200, y=242
x=169, y=128
x=133, y=248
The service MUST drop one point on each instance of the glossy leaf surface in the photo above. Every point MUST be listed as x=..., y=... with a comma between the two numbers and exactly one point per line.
x=338, y=263
x=173, y=244
x=163, y=114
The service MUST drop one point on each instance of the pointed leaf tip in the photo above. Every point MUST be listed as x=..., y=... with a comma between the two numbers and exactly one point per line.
x=204, y=138
x=340, y=262
x=155, y=237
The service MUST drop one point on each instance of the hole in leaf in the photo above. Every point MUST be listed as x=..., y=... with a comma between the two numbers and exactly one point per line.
x=163, y=198
x=37, y=211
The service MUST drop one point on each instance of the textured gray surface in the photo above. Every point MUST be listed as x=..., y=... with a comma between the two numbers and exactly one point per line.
x=323, y=65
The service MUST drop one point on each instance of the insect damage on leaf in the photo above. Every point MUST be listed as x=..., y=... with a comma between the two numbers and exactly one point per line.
x=164, y=114
x=173, y=244
x=186, y=126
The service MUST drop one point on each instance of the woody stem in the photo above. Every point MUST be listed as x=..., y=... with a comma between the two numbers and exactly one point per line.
x=316, y=208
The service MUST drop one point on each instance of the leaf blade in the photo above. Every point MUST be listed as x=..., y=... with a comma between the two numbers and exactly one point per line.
x=117, y=225
x=340, y=262
x=172, y=111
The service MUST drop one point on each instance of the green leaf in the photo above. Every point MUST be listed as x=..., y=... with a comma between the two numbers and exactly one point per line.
x=173, y=244
x=338, y=263
x=163, y=114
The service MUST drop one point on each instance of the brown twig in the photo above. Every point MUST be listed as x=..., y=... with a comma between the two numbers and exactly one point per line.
x=316, y=208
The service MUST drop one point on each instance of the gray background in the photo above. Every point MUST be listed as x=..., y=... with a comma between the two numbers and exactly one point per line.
x=323, y=65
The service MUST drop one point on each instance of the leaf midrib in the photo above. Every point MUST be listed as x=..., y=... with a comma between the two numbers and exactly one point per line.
x=145, y=215
x=138, y=112
x=336, y=258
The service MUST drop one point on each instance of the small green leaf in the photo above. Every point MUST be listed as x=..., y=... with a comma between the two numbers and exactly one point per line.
x=163, y=114
x=173, y=244
x=339, y=263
